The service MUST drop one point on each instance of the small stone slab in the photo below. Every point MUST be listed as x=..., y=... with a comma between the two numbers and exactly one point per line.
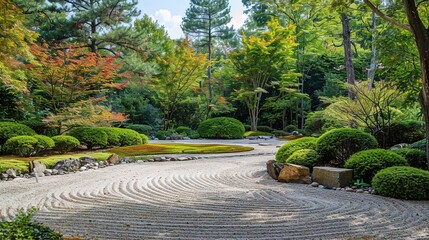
x=333, y=177
x=292, y=173
x=37, y=166
x=113, y=159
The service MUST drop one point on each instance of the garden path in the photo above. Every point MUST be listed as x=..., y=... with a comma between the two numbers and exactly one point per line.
x=211, y=198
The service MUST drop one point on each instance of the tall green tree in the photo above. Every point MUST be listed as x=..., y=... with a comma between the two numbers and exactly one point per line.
x=206, y=20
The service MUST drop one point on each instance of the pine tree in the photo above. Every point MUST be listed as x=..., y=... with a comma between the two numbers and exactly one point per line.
x=207, y=20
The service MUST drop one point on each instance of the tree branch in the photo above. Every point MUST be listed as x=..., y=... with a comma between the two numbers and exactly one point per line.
x=385, y=17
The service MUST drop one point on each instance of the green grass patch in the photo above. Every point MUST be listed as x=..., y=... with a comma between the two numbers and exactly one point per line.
x=257, y=133
x=177, y=148
x=289, y=138
x=21, y=164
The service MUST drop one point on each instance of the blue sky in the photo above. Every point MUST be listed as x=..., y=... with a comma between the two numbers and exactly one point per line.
x=170, y=13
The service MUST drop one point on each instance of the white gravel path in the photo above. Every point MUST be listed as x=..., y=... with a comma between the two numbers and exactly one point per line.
x=213, y=198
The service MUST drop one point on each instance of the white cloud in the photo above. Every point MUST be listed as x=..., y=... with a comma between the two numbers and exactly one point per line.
x=170, y=22
x=238, y=17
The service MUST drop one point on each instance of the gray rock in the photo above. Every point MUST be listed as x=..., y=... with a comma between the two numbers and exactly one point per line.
x=182, y=159
x=54, y=171
x=82, y=169
x=139, y=161
x=11, y=173
x=47, y=171
x=265, y=144
x=332, y=177
x=321, y=186
x=367, y=192
x=4, y=176
x=37, y=166
x=271, y=170
x=173, y=159
x=349, y=189
x=68, y=165
x=314, y=184
x=360, y=191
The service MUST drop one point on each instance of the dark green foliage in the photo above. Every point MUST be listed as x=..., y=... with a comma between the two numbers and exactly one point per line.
x=317, y=123
x=304, y=157
x=129, y=137
x=402, y=182
x=289, y=148
x=23, y=146
x=402, y=132
x=65, y=143
x=366, y=164
x=279, y=133
x=43, y=143
x=40, y=127
x=265, y=129
x=141, y=128
x=145, y=139
x=11, y=129
x=184, y=131
x=23, y=227
x=415, y=157
x=338, y=145
x=164, y=134
x=90, y=136
x=221, y=128
x=194, y=134
x=113, y=136
x=421, y=145
x=291, y=128
x=247, y=127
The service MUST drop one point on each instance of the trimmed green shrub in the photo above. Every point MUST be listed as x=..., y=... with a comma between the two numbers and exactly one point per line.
x=304, y=157
x=129, y=137
x=164, y=134
x=23, y=146
x=338, y=145
x=402, y=132
x=194, y=134
x=421, y=145
x=23, y=227
x=256, y=133
x=113, y=135
x=65, y=143
x=290, y=128
x=145, y=139
x=318, y=122
x=415, y=157
x=43, y=143
x=90, y=136
x=221, y=128
x=11, y=129
x=366, y=164
x=265, y=129
x=402, y=182
x=141, y=128
x=280, y=133
x=290, y=147
x=184, y=131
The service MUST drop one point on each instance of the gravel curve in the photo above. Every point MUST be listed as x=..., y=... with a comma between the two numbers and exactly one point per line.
x=212, y=198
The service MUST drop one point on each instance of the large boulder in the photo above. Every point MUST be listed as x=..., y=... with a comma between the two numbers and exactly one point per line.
x=292, y=173
x=113, y=159
x=68, y=165
x=333, y=177
x=274, y=168
x=87, y=160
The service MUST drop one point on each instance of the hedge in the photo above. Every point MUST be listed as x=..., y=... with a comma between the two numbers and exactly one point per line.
x=23, y=146
x=90, y=136
x=141, y=128
x=12, y=129
x=64, y=143
x=221, y=128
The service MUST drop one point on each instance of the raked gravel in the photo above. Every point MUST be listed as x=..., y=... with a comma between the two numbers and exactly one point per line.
x=210, y=198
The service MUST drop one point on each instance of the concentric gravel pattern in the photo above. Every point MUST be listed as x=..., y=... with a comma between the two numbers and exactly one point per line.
x=217, y=199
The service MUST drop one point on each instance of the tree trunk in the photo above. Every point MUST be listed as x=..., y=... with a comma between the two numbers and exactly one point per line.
x=373, y=64
x=348, y=57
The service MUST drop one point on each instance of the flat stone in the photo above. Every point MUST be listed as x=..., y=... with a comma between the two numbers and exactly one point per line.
x=349, y=189
x=139, y=161
x=332, y=177
x=11, y=173
x=360, y=191
x=265, y=144
x=314, y=184
x=292, y=173
x=182, y=159
x=82, y=169
x=37, y=166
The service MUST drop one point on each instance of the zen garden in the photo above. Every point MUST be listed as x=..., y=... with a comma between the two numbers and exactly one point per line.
x=251, y=119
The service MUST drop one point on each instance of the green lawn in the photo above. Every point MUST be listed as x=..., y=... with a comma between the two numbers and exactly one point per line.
x=175, y=148
x=257, y=133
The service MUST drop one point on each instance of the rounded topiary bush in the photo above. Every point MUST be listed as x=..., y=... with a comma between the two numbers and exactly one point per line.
x=221, y=128
x=129, y=137
x=366, y=164
x=184, y=131
x=337, y=145
x=290, y=147
x=90, y=136
x=415, y=157
x=304, y=157
x=23, y=146
x=141, y=128
x=291, y=128
x=402, y=182
x=145, y=139
x=11, y=129
x=113, y=135
x=43, y=143
x=65, y=143
x=164, y=134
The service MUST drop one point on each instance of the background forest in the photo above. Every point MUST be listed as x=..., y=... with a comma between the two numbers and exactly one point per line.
x=294, y=65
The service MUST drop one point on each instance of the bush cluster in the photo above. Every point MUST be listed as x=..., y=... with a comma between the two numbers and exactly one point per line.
x=145, y=139
x=304, y=157
x=141, y=128
x=164, y=134
x=289, y=148
x=23, y=146
x=128, y=137
x=280, y=133
x=64, y=143
x=291, y=128
x=89, y=136
x=415, y=157
x=318, y=123
x=221, y=128
x=338, y=145
x=184, y=131
x=11, y=129
x=113, y=135
x=43, y=143
x=366, y=164
x=402, y=182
